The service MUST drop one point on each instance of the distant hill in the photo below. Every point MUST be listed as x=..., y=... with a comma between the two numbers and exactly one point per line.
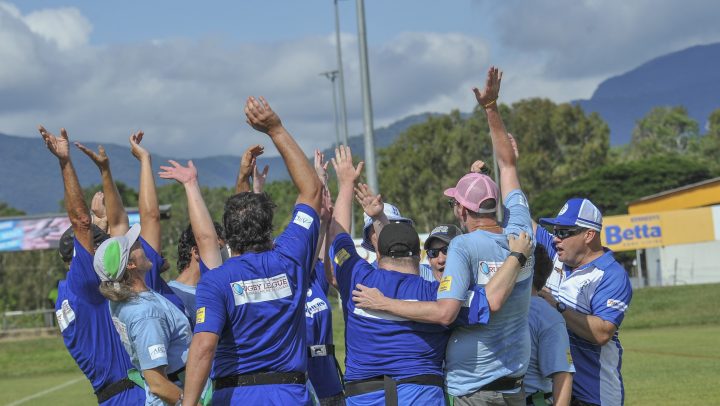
x=30, y=179
x=690, y=78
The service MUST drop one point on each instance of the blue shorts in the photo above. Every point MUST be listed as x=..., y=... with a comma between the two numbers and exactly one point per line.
x=408, y=394
x=280, y=395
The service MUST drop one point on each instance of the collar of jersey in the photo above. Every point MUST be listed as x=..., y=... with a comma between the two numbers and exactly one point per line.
x=601, y=262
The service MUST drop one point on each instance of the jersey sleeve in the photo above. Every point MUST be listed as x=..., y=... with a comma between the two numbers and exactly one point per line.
x=518, y=213
x=150, y=343
x=344, y=257
x=612, y=296
x=554, y=350
x=475, y=310
x=82, y=279
x=154, y=280
x=203, y=267
x=458, y=274
x=299, y=239
x=544, y=238
x=211, y=312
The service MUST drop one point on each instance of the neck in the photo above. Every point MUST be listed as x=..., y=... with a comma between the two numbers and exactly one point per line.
x=590, y=255
x=138, y=284
x=398, y=267
x=484, y=223
x=191, y=275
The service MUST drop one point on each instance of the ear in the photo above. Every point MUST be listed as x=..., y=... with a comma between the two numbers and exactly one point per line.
x=590, y=236
x=195, y=252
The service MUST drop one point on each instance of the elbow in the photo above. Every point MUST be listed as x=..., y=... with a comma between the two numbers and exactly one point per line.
x=80, y=218
x=446, y=316
x=494, y=305
x=603, y=338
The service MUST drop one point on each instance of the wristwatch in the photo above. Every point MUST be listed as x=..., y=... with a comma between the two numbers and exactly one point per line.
x=522, y=259
x=560, y=306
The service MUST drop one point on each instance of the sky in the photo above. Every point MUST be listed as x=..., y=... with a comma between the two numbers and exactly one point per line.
x=181, y=70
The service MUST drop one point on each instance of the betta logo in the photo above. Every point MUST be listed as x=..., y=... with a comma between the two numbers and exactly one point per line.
x=617, y=235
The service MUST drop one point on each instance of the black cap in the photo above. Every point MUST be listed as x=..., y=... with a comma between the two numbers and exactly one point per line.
x=398, y=240
x=443, y=232
x=66, y=245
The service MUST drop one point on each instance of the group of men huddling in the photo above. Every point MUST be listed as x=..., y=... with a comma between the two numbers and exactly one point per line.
x=506, y=313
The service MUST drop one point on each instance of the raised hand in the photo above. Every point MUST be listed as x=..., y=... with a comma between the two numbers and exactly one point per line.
x=522, y=244
x=326, y=209
x=371, y=203
x=343, y=165
x=480, y=167
x=58, y=146
x=368, y=298
x=259, y=178
x=489, y=95
x=249, y=160
x=100, y=158
x=182, y=174
x=260, y=116
x=138, y=152
x=97, y=206
x=321, y=167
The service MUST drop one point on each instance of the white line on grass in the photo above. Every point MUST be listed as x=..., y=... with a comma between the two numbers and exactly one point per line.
x=46, y=391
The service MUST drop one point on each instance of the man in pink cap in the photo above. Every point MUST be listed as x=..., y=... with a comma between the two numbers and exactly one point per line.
x=484, y=365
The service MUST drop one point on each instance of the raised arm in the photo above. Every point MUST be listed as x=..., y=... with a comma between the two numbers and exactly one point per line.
x=259, y=178
x=247, y=165
x=346, y=175
x=372, y=205
x=97, y=208
x=262, y=118
x=200, y=220
x=147, y=197
x=118, y=223
x=326, y=213
x=501, y=142
x=74, y=202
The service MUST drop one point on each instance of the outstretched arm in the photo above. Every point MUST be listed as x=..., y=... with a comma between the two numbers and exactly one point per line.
x=346, y=174
x=259, y=178
x=118, y=223
x=372, y=205
x=247, y=165
x=74, y=202
x=501, y=143
x=262, y=118
x=147, y=198
x=97, y=208
x=200, y=220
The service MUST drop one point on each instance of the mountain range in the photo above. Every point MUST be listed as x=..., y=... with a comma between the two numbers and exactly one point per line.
x=30, y=180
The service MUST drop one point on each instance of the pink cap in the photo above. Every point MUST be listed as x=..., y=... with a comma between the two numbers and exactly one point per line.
x=473, y=189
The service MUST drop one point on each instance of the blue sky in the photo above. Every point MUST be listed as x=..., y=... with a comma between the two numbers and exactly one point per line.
x=181, y=70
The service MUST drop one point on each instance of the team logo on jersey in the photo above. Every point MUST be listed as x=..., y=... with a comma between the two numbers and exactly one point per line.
x=157, y=351
x=341, y=256
x=122, y=330
x=569, y=356
x=65, y=315
x=303, y=220
x=314, y=306
x=445, y=284
x=261, y=290
x=200, y=315
x=616, y=304
x=309, y=292
x=484, y=268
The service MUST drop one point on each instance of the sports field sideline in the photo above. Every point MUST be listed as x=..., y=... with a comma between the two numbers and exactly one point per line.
x=670, y=339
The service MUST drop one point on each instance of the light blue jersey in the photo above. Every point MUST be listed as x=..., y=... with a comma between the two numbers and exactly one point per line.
x=550, y=347
x=478, y=355
x=154, y=332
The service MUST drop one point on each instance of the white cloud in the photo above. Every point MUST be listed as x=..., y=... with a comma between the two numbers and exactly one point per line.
x=188, y=95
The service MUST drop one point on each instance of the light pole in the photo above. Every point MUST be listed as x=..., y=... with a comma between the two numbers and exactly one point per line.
x=332, y=75
x=370, y=169
x=341, y=75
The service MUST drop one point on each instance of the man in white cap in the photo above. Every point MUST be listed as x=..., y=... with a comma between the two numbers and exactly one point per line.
x=592, y=291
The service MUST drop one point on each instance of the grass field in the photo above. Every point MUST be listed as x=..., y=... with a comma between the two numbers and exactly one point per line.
x=670, y=337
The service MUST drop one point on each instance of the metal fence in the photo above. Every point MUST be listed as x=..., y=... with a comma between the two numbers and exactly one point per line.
x=17, y=319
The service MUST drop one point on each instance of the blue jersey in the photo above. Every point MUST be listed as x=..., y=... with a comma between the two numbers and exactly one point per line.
x=255, y=303
x=322, y=370
x=425, y=271
x=154, y=332
x=600, y=288
x=550, y=348
x=154, y=280
x=87, y=329
x=478, y=355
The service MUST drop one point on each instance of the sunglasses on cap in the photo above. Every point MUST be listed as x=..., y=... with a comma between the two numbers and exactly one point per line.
x=563, y=233
x=452, y=203
x=435, y=252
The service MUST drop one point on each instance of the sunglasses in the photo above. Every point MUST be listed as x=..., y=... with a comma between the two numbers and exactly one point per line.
x=563, y=233
x=435, y=252
x=452, y=203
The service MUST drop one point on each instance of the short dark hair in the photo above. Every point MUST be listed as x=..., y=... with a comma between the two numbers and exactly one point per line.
x=248, y=220
x=187, y=242
x=543, y=267
x=488, y=204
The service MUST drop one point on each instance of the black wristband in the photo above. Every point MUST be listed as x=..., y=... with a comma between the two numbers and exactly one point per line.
x=522, y=259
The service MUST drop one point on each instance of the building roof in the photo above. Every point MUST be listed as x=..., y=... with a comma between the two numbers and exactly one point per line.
x=700, y=194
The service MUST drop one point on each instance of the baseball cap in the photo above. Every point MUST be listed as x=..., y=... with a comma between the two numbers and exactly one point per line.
x=577, y=212
x=66, y=245
x=472, y=190
x=443, y=232
x=393, y=215
x=398, y=240
x=111, y=257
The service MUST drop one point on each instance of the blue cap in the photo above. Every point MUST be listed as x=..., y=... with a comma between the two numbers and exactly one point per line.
x=577, y=212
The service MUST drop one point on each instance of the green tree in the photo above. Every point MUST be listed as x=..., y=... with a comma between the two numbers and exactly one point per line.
x=664, y=130
x=707, y=147
x=8, y=211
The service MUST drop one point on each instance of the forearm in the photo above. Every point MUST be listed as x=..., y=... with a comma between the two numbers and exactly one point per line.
x=242, y=183
x=502, y=283
x=197, y=370
x=501, y=143
x=117, y=217
x=591, y=328
x=202, y=226
x=379, y=222
x=423, y=312
x=343, y=207
x=77, y=209
x=302, y=173
x=160, y=386
x=148, y=205
x=327, y=263
x=562, y=388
